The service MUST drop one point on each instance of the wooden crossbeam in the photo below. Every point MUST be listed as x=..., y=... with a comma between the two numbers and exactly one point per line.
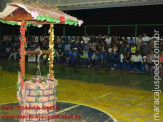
x=33, y=52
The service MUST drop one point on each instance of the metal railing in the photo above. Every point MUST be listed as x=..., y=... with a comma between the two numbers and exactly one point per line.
x=108, y=28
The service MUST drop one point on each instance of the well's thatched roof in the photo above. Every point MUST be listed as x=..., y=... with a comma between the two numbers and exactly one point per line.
x=18, y=11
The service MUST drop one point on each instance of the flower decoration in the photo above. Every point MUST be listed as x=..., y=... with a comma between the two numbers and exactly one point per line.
x=34, y=14
x=39, y=26
x=22, y=39
x=51, y=47
x=80, y=22
x=62, y=19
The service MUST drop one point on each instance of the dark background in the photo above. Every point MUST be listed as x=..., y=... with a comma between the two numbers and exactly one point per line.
x=152, y=14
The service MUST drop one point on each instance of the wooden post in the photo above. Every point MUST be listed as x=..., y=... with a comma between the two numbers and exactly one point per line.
x=51, y=47
x=23, y=73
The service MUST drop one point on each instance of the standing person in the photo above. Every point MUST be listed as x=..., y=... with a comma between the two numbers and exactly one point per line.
x=136, y=59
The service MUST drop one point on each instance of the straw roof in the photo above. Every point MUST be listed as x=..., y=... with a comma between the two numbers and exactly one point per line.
x=18, y=11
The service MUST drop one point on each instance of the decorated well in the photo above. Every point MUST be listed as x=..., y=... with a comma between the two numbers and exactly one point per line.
x=38, y=90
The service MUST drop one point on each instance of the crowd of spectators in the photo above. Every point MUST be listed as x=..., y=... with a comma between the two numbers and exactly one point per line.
x=92, y=51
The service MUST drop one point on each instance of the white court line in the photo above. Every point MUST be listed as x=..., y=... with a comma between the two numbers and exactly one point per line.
x=91, y=100
x=8, y=87
x=97, y=98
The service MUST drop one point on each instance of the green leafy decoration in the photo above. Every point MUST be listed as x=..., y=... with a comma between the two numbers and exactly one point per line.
x=18, y=86
x=57, y=21
x=32, y=80
x=56, y=95
x=16, y=23
x=37, y=93
x=9, y=22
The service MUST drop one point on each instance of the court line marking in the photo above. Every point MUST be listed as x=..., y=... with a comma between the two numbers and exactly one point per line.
x=8, y=87
x=112, y=117
x=97, y=97
x=135, y=103
x=83, y=103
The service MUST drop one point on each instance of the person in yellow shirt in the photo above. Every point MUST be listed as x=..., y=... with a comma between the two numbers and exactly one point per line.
x=133, y=49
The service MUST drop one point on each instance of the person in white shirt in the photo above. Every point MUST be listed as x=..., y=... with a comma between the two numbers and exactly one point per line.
x=136, y=59
x=86, y=39
x=139, y=40
x=114, y=48
x=67, y=46
x=110, y=48
x=108, y=39
x=145, y=39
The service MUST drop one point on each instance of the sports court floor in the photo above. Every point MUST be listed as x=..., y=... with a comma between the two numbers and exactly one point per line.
x=96, y=95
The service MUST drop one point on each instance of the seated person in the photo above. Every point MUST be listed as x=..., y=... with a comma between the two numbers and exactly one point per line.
x=82, y=58
x=105, y=58
x=149, y=60
x=98, y=61
x=89, y=59
x=94, y=58
x=13, y=54
x=76, y=57
x=109, y=48
x=65, y=57
x=131, y=41
x=128, y=48
x=145, y=39
x=136, y=59
x=128, y=57
x=114, y=58
x=133, y=49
